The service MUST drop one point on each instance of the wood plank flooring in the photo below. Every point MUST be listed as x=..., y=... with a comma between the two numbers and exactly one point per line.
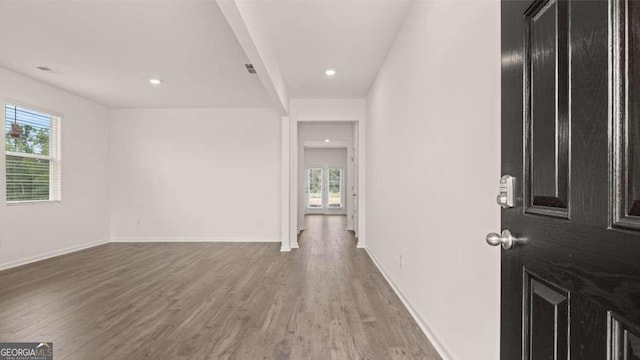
x=325, y=300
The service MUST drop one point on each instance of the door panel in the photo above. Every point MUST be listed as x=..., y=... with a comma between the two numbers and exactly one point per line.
x=571, y=137
x=625, y=341
x=546, y=107
x=546, y=320
x=626, y=97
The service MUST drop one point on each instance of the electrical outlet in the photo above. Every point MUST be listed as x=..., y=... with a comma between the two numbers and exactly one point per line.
x=401, y=261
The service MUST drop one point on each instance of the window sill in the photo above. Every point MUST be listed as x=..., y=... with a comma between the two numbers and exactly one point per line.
x=32, y=202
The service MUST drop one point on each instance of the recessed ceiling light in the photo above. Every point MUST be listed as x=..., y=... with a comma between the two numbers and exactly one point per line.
x=327, y=140
x=155, y=81
x=330, y=72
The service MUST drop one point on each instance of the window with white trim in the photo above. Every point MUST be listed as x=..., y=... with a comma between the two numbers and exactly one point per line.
x=325, y=188
x=334, y=188
x=33, y=163
x=314, y=188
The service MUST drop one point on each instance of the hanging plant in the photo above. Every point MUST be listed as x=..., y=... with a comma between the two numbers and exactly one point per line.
x=15, y=128
x=15, y=131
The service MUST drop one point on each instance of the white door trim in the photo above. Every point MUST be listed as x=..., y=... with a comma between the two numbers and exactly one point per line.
x=285, y=184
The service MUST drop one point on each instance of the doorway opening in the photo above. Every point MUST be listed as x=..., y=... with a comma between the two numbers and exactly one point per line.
x=327, y=172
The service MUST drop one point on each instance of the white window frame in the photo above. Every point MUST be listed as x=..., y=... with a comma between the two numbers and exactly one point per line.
x=54, y=157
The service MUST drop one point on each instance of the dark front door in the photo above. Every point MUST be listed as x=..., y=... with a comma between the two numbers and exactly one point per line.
x=571, y=138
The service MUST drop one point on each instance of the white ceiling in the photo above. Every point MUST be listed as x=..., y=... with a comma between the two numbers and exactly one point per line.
x=107, y=51
x=350, y=36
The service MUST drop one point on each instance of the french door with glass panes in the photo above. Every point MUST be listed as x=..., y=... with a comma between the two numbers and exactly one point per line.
x=325, y=188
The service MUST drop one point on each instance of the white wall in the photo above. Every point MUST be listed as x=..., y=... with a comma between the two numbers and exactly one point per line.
x=328, y=109
x=326, y=158
x=195, y=174
x=433, y=153
x=30, y=232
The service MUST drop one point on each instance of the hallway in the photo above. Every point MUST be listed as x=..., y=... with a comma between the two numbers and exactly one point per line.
x=213, y=300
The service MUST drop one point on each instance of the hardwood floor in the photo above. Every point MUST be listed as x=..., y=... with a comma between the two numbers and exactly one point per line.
x=325, y=300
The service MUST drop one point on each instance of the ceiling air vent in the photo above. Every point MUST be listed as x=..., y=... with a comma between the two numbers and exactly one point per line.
x=48, y=70
x=250, y=68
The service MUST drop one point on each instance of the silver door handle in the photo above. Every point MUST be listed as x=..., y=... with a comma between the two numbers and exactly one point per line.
x=506, y=239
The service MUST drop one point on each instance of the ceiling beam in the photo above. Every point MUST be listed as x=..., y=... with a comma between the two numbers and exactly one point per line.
x=245, y=22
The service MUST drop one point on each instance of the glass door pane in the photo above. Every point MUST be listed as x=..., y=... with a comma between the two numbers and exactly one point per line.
x=335, y=189
x=314, y=188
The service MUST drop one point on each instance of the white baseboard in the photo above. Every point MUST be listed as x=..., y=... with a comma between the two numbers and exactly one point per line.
x=285, y=249
x=52, y=254
x=192, y=239
x=442, y=351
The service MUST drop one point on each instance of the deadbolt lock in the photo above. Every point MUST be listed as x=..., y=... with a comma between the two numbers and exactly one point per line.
x=506, y=196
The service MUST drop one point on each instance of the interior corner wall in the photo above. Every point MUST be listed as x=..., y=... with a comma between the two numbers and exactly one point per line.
x=433, y=165
x=32, y=232
x=195, y=174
